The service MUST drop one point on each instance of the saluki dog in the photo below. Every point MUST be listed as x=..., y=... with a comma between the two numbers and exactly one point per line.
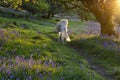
x=62, y=28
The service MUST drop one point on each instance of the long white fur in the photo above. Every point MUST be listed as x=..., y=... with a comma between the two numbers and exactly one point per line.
x=62, y=28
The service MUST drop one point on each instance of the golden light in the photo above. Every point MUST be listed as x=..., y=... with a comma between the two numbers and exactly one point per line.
x=117, y=7
x=118, y=3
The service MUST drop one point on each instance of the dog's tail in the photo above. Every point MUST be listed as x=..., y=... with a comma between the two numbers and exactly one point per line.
x=68, y=39
x=67, y=36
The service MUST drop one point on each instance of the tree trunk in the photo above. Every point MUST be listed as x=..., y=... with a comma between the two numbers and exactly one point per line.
x=103, y=11
x=107, y=27
x=106, y=23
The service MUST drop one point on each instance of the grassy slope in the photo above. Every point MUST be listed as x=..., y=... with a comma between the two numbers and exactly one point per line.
x=104, y=51
x=29, y=54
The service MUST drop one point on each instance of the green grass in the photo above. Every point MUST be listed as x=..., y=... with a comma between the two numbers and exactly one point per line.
x=32, y=52
x=105, y=52
x=77, y=26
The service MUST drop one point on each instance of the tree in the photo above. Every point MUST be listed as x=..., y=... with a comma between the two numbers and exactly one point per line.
x=12, y=3
x=36, y=6
x=103, y=10
x=33, y=6
x=54, y=7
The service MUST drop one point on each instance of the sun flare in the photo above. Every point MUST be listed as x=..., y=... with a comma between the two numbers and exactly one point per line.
x=117, y=9
x=118, y=3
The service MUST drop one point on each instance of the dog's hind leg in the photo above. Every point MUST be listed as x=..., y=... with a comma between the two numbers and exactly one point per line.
x=59, y=36
x=63, y=37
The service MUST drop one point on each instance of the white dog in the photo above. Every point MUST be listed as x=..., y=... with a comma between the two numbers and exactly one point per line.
x=62, y=28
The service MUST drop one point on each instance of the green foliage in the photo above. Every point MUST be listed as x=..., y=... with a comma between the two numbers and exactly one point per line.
x=40, y=6
x=34, y=6
x=12, y=3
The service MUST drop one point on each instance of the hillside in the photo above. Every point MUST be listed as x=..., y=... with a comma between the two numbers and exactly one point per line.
x=29, y=51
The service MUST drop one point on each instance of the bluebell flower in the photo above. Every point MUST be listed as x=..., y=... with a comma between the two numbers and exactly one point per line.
x=18, y=79
x=30, y=78
x=3, y=79
x=12, y=76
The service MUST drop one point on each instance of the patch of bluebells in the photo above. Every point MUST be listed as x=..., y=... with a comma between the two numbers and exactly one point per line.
x=8, y=35
x=106, y=41
x=109, y=44
x=20, y=68
x=18, y=79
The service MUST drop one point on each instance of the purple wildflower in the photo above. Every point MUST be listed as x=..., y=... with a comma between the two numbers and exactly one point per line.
x=18, y=79
x=105, y=45
x=40, y=76
x=53, y=64
x=8, y=72
x=1, y=68
x=12, y=76
x=30, y=78
x=3, y=79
